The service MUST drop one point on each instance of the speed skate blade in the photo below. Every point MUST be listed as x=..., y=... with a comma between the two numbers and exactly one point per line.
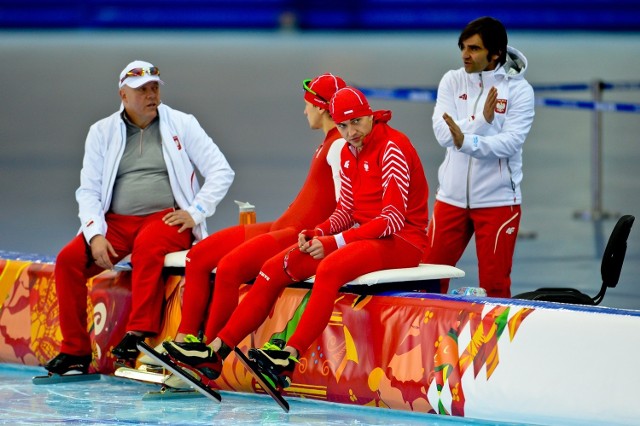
x=57, y=378
x=266, y=385
x=178, y=371
x=170, y=393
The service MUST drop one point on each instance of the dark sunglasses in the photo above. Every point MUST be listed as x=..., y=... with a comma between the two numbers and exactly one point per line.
x=139, y=72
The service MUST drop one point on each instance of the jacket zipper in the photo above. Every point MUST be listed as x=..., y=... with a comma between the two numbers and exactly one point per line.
x=475, y=106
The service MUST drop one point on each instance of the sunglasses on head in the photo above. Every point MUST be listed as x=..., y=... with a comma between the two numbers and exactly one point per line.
x=305, y=86
x=139, y=72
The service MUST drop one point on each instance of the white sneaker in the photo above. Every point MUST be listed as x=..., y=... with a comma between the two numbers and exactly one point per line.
x=146, y=359
x=175, y=382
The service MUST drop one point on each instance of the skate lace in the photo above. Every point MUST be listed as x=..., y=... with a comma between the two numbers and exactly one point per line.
x=190, y=338
x=271, y=347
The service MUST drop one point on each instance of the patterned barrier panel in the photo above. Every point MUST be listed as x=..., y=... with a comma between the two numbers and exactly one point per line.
x=492, y=359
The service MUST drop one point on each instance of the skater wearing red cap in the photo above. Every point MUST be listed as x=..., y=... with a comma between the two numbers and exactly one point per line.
x=238, y=252
x=379, y=223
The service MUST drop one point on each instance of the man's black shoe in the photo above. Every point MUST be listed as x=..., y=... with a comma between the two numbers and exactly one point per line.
x=127, y=349
x=65, y=364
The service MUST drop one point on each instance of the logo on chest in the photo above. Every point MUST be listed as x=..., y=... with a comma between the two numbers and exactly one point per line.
x=501, y=106
x=177, y=141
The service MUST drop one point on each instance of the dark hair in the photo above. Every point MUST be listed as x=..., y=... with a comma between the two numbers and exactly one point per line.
x=492, y=33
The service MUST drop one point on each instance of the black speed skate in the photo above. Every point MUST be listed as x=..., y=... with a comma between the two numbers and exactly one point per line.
x=127, y=350
x=67, y=368
x=275, y=364
x=68, y=364
x=173, y=367
x=265, y=381
x=195, y=354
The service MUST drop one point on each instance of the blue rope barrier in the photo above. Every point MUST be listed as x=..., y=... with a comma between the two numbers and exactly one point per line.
x=430, y=95
x=573, y=87
x=569, y=87
x=565, y=87
x=405, y=94
x=590, y=105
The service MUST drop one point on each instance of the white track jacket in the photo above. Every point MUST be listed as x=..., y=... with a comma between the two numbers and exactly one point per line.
x=184, y=144
x=487, y=170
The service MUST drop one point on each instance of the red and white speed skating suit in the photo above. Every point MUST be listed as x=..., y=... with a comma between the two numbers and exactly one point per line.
x=238, y=252
x=381, y=216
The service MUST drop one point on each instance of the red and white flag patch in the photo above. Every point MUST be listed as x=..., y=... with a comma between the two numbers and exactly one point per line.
x=177, y=141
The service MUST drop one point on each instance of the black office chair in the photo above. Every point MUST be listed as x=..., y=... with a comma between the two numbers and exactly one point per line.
x=610, y=268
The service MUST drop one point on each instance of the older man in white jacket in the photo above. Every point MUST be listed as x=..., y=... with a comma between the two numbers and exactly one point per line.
x=482, y=116
x=138, y=194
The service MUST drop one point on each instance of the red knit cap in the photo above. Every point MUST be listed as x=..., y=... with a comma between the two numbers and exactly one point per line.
x=347, y=104
x=320, y=90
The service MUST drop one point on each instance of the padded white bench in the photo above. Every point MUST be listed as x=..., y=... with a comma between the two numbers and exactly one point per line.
x=422, y=277
x=176, y=259
x=424, y=271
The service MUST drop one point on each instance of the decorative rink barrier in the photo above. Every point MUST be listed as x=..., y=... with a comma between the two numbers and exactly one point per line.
x=483, y=358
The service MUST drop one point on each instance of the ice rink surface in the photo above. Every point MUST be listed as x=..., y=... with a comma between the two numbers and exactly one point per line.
x=113, y=400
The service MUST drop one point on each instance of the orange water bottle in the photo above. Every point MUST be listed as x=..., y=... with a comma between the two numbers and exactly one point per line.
x=247, y=214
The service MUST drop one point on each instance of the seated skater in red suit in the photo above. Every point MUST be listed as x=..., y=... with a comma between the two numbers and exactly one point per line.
x=379, y=223
x=238, y=252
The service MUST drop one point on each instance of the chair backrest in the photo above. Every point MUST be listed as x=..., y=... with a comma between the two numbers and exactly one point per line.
x=610, y=269
x=615, y=251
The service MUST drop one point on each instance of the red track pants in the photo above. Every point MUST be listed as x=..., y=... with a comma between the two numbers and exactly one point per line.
x=238, y=253
x=496, y=231
x=331, y=273
x=148, y=239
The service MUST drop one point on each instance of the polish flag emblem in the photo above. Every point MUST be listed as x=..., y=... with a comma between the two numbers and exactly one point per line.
x=501, y=106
